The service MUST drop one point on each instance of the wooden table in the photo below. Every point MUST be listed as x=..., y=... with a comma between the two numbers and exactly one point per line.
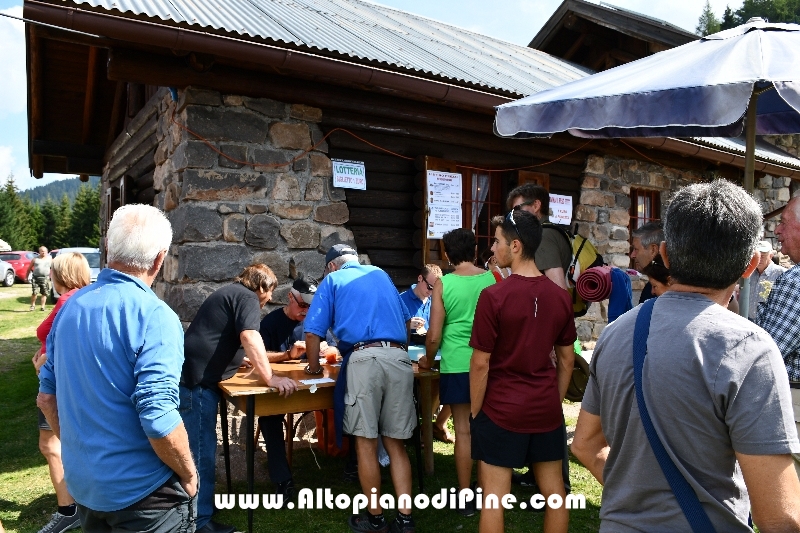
x=252, y=396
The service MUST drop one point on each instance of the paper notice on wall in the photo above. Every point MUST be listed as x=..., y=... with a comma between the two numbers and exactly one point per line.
x=560, y=209
x=444, y=188
x=443, y=218
x=349, y=174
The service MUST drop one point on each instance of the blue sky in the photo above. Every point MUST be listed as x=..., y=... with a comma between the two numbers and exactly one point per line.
x=516, y=21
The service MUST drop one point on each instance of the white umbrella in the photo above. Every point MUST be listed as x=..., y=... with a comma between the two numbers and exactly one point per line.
x=746, y=79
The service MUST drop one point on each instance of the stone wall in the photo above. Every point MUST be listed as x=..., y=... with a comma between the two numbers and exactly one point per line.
x=773, y=192
x=603, y=216
x=229, y=212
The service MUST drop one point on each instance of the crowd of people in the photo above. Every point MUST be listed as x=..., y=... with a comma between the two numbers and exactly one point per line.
x=129, y=401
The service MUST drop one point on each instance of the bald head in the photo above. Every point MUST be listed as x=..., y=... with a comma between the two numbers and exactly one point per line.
x=788, y=230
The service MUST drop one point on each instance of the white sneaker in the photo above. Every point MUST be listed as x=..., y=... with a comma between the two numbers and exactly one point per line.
x=59, y=522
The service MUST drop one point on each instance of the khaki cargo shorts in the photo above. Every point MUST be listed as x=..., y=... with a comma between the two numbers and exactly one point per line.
x=379, y=397
x=40, y=285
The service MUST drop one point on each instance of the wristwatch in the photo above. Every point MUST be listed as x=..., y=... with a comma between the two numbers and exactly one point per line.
x=308, y=371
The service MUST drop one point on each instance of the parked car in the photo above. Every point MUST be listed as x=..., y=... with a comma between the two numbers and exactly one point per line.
x=7, y=270
x=20, y=261
x=92, y=256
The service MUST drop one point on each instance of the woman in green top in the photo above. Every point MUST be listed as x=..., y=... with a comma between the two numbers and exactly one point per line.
x=453, y=303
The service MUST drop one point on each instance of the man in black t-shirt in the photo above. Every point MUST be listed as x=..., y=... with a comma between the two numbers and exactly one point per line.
x=229, y=318
x=280, y=334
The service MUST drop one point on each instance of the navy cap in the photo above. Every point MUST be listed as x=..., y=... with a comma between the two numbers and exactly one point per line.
x=338, y=250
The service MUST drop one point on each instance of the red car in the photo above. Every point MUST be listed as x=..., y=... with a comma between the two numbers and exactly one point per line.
x=20, y=261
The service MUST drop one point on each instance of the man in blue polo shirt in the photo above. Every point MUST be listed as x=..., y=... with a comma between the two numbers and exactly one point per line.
x=373, y=393
x=109, y=389
x=417, y=299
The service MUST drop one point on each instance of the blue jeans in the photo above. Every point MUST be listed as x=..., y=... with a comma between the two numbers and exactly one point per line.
x=199, y=407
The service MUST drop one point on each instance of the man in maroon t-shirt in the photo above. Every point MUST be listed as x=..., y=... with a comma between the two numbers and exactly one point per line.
x=517, y=324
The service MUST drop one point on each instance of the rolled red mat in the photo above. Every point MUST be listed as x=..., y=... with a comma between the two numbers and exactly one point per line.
x=594, y=285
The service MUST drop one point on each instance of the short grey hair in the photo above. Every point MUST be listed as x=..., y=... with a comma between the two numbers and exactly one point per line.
x=711, y=231
x=650, y=233
x=136, y=235
x=342, y=259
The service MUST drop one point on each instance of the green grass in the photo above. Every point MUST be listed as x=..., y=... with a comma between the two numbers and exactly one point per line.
x=27, y=498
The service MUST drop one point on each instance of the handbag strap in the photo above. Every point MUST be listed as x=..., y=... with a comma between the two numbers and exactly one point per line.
x=686, y=496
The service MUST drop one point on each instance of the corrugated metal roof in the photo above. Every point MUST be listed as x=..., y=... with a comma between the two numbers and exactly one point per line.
x=362, y=30
x=764, y=150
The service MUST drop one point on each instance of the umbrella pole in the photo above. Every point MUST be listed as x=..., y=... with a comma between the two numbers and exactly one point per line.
x=749, y=185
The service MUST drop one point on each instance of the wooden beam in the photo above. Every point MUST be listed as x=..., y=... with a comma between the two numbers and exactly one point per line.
x=117, y=109
x=66, y=149
x=88, y=101
x=435, y=133
x=80, y=165
x=127, y=65
x=35, y=86
x=575, y=46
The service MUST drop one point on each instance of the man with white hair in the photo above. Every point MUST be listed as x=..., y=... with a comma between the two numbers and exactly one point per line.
x=762, y=280
x=109, y=388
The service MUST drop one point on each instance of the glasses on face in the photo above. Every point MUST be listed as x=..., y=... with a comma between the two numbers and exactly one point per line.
x=300, y=303
x=523, y=204
x=510, y=216
x=430, y=287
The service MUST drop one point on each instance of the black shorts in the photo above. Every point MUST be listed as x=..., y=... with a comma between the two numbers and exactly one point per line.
x=499, y=447
x=43, y=421
x=454, y=388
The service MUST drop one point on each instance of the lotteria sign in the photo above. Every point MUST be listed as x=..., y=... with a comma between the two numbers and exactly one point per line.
x=349, y=174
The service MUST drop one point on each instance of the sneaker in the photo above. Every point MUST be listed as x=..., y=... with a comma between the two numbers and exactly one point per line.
x=399, y=525
x=59, y=522
x=42, y=309
x=362, y=524
x=524, y=480
x=33, y=308
x=469, y=508
x=351, y=473
x=286, y=489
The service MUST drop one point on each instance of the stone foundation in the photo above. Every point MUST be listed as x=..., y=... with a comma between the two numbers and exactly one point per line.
x=229, y=212
x=603, y=217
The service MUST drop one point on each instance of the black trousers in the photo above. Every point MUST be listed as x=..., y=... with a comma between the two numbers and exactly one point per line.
x=168, y=509
x=277, y=464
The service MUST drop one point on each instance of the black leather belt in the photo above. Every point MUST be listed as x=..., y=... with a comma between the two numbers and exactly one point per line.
x=378, y=344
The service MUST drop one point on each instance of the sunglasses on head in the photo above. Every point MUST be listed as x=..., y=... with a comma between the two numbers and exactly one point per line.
x=510, y=216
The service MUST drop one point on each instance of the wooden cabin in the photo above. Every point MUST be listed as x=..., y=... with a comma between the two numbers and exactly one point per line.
x=231, y=118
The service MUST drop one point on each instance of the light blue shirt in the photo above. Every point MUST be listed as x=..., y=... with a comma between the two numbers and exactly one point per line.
x=416, y=306
x=359, y=303
x=114, y=358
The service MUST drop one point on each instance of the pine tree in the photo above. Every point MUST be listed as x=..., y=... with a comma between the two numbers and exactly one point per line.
x=16, y=226
x=85, y=220
x=708, y=22
x=771, y=10
x=61, y=235
x=50, y=222
x=728, y=19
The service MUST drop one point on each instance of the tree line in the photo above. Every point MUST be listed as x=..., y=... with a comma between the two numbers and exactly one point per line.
x=771, y=10
x=25, y=225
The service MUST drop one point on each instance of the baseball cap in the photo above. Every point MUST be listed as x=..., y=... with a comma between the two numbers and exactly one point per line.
x=338, y=250
x=764, y=246
x=305, y=288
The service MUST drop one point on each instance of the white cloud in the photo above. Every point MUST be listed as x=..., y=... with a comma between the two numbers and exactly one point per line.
x=6, y=162
x=12, y=63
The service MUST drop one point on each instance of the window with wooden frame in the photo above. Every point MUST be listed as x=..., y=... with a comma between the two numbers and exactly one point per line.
x=645, y=207
x=482, y=199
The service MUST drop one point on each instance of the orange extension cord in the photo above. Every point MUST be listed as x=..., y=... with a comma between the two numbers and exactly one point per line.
x=299, y=156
